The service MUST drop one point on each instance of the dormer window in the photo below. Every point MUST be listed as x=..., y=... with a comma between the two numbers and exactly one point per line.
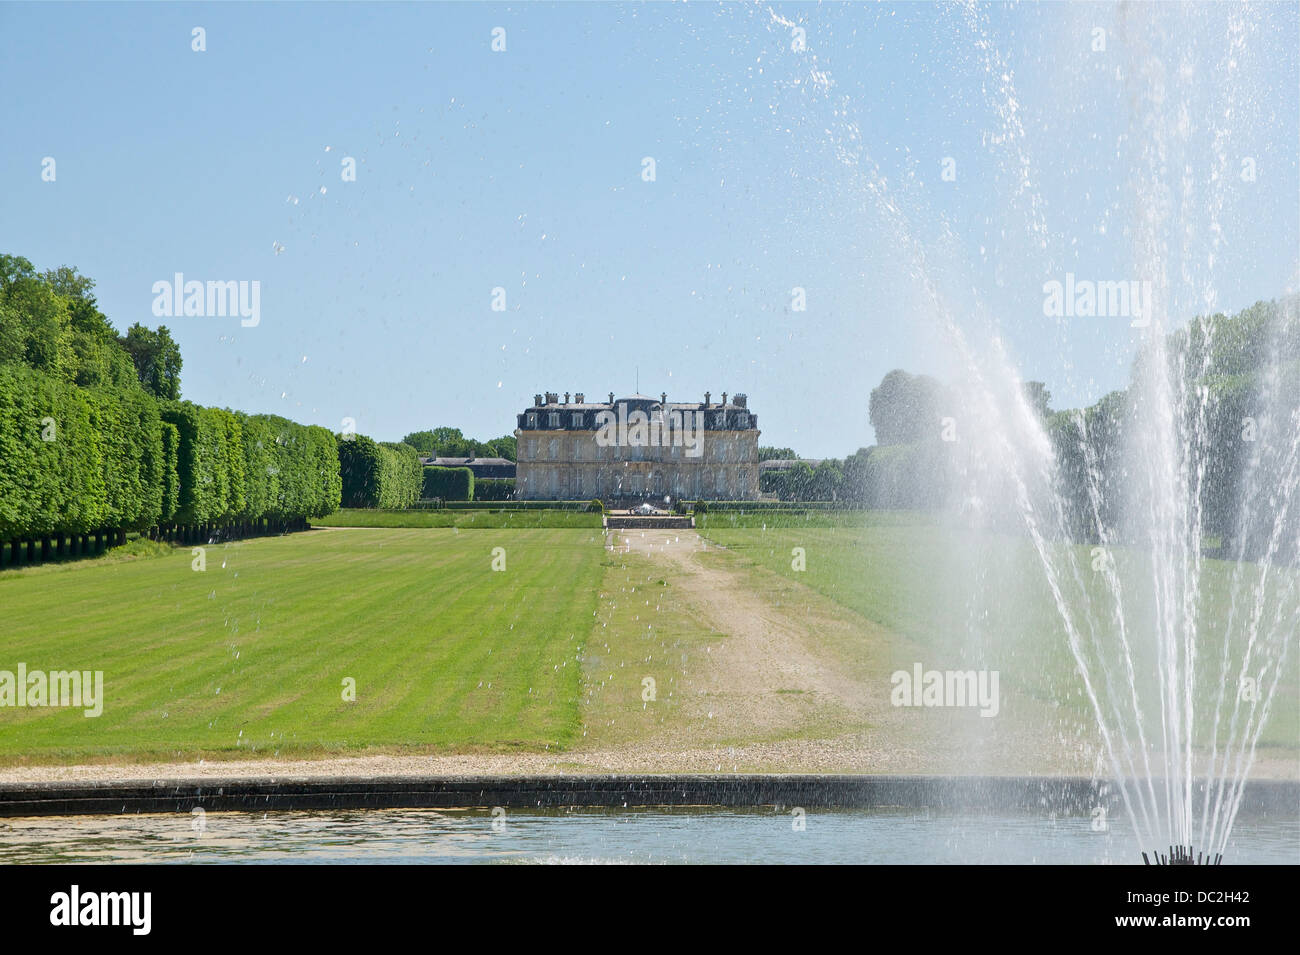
x=720, y=419
x=532, y=419
x=553, y=419
x=576, y=420
x=742, y=419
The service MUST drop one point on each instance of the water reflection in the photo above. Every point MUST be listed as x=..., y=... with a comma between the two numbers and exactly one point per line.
x=598, y=836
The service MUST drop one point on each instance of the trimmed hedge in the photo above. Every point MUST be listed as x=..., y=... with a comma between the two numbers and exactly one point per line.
x=87, y=446
x=210, y=463
x=516, y=506
x=778, y=506
x=73, y=460
x=402, y=475
x=494, y=489
x=291, y=470
x=377, y=475
x=131, y=455
x=448, y=484
x=77, y=460
x=171, y=479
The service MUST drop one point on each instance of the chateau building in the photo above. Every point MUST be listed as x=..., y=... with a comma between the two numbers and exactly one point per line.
x=637, y=448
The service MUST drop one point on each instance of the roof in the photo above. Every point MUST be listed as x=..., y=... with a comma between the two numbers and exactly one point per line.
x=461, y=462
x=785, y=464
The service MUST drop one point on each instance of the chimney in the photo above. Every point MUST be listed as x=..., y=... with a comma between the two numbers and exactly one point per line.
x=580, y=398
x=566, y=397
x=611, y=397
x=552, y=398
x=663, y=398
x=724, y=399
x=706, y=399
x=739, y=400
x=537, y=401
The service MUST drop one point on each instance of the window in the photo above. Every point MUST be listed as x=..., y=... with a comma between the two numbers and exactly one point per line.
x=554, y=447
x=553, y=419
x=532, y=419
x=576, y=420
x=742, y=419
x=720, y=419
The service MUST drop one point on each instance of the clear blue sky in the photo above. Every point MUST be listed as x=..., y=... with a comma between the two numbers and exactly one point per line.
x=522, y=169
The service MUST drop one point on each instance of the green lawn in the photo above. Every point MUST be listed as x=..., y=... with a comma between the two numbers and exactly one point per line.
x=361, y=517
x=249, y=655
x=981, y=600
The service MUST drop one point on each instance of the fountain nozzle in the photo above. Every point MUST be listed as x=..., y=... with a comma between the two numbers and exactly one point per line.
x=1182, y=855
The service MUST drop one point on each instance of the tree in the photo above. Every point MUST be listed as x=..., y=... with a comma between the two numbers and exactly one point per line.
x=35, y=324
x=451, y=443
x=799, y=482
x=826, y=481
x=776, y=454
x=856, y=486
x=422, y=441
x=905, y=408
x=1039, y=398
x=505, y=447
x=157, y=360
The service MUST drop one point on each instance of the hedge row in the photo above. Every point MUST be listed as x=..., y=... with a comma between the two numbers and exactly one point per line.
x=494, y=489
x=517, y=506
x=290, y=469
x=75, y=460
x=448, y=484
x=209, y=462
x=378, y=474
x=778, y=506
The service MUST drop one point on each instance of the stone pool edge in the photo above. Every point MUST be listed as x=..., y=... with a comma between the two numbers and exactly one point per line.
x=1067, y=795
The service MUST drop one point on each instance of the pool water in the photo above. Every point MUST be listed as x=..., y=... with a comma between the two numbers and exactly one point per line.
x=612, y=836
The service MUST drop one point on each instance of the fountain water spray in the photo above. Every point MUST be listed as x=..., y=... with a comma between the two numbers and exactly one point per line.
x=1164, y=522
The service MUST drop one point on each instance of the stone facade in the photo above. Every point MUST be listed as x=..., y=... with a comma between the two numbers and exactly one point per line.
x=637, y=448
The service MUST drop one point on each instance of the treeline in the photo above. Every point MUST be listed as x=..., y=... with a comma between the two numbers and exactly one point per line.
x=882, y=476
x=93, y=444
x=1246, y=365
x=451, y=443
